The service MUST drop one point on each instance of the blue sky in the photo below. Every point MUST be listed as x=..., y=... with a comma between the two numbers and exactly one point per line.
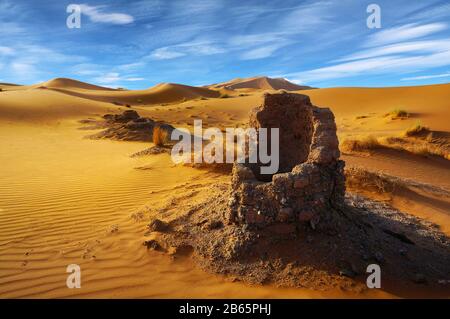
x=137, y=44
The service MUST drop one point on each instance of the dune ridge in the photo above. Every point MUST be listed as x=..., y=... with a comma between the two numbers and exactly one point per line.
x=68, y=199
x=260, y=83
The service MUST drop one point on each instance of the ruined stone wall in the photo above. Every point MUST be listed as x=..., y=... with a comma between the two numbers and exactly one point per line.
x=310, y=181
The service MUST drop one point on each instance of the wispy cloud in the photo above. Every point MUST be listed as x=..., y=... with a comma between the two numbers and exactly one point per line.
x=405, y=47
x=261, y=52
x=115, y=78
x=379, y=65
x=95, y=14
x=426, y=77
x=6, y=50
x=307, y=17
x=404, y=33
x=200, y=48
x=166, y=53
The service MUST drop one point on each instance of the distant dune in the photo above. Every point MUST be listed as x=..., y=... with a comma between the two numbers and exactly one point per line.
x=63, y=83
x=429, y=104
x=66, y=197
x=260, y=83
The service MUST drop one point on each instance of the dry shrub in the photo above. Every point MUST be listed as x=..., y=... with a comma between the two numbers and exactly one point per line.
x=358, y=178
x=382, y=183
x=159, y=136
x=417, y=129
x=364, y=144
x=397, y=113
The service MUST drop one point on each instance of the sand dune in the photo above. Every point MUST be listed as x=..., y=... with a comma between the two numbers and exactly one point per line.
x=71, y=84
x=429, y=104
x=60, y=98
x=260, y=83
x=65, y=199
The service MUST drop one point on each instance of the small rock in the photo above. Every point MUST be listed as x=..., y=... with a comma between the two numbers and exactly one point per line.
x=158, y=225
x=153, y=245
x=114, y=228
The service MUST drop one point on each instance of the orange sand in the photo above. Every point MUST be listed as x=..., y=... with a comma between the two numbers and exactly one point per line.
x=65, y=199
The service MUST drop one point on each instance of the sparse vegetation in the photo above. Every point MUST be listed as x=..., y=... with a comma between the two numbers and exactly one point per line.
x=397, y=113
x=159, y=136
x=360, y=117
x=418, y=146
x=360, y=145
x=224, y=96
x=417, y=129
x=139, y=100
x=203, y=98
x=358, y=178
x=382, y=183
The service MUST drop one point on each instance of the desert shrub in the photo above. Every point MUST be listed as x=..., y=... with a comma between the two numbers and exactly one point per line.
x=358, y=178
x=1, y=90
x=224, y=96
x=416, y=130
x=203, y=98
x=159, y=136
x=397, y=113
x=364, y=144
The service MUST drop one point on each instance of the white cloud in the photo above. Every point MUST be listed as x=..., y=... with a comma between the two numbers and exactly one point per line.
x=261, y=52
x=165, y=53
x=307, y=17
x=403, y=33
x=22, y=69
x=379, y=65
x=134, y=79
x=6, y=50
x=95, y=15
x=426, y=77
x=253, y=39
x=114, y=77
x=11, y=28
x=405, y=47
x=198, y=48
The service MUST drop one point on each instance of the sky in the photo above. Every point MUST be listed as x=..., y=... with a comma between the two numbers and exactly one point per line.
x=137, y=44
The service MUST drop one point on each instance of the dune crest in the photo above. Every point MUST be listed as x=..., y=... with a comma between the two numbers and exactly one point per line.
x=260, y=83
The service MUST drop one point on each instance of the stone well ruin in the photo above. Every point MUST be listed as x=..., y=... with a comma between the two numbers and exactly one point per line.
x=310, y=180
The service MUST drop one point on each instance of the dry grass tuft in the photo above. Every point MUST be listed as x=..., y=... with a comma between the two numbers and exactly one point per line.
x=416, y=130
x=365, y=144
x=159, y=136
x=357, y=178
x=382, y=183
x=397, y=113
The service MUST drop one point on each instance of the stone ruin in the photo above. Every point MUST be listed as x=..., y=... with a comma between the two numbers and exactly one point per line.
x=310, y=181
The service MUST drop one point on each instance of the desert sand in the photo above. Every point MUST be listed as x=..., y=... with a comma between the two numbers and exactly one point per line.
x=66, y=199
